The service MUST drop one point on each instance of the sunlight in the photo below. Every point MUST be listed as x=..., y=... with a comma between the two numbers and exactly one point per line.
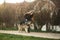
x=1, y=1
x=15, y=1
x=10, y=1
x=29, y=0
x=19, y=1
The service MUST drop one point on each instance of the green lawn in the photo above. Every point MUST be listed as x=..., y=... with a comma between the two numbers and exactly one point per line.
x=15, y=28
x=19, y=37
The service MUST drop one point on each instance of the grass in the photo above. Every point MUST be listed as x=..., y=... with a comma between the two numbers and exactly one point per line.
x=15, y=28
x=19, y=37
x=8, y=28
x=38, y=30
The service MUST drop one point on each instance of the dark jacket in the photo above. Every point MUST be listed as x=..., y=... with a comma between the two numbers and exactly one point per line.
x=28, y=17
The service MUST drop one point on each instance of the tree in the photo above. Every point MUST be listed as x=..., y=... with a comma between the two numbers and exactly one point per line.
x=44, y=8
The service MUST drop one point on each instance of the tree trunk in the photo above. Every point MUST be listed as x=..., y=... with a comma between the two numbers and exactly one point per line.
x=47, y=27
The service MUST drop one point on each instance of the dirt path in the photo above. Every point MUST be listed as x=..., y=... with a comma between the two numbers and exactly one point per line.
x=35, y=34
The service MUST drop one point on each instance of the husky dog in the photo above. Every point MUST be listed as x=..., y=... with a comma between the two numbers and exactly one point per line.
x=22, y=26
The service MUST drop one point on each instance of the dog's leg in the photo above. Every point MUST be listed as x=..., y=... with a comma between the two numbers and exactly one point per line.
x=26, y=30
x=19, y=28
